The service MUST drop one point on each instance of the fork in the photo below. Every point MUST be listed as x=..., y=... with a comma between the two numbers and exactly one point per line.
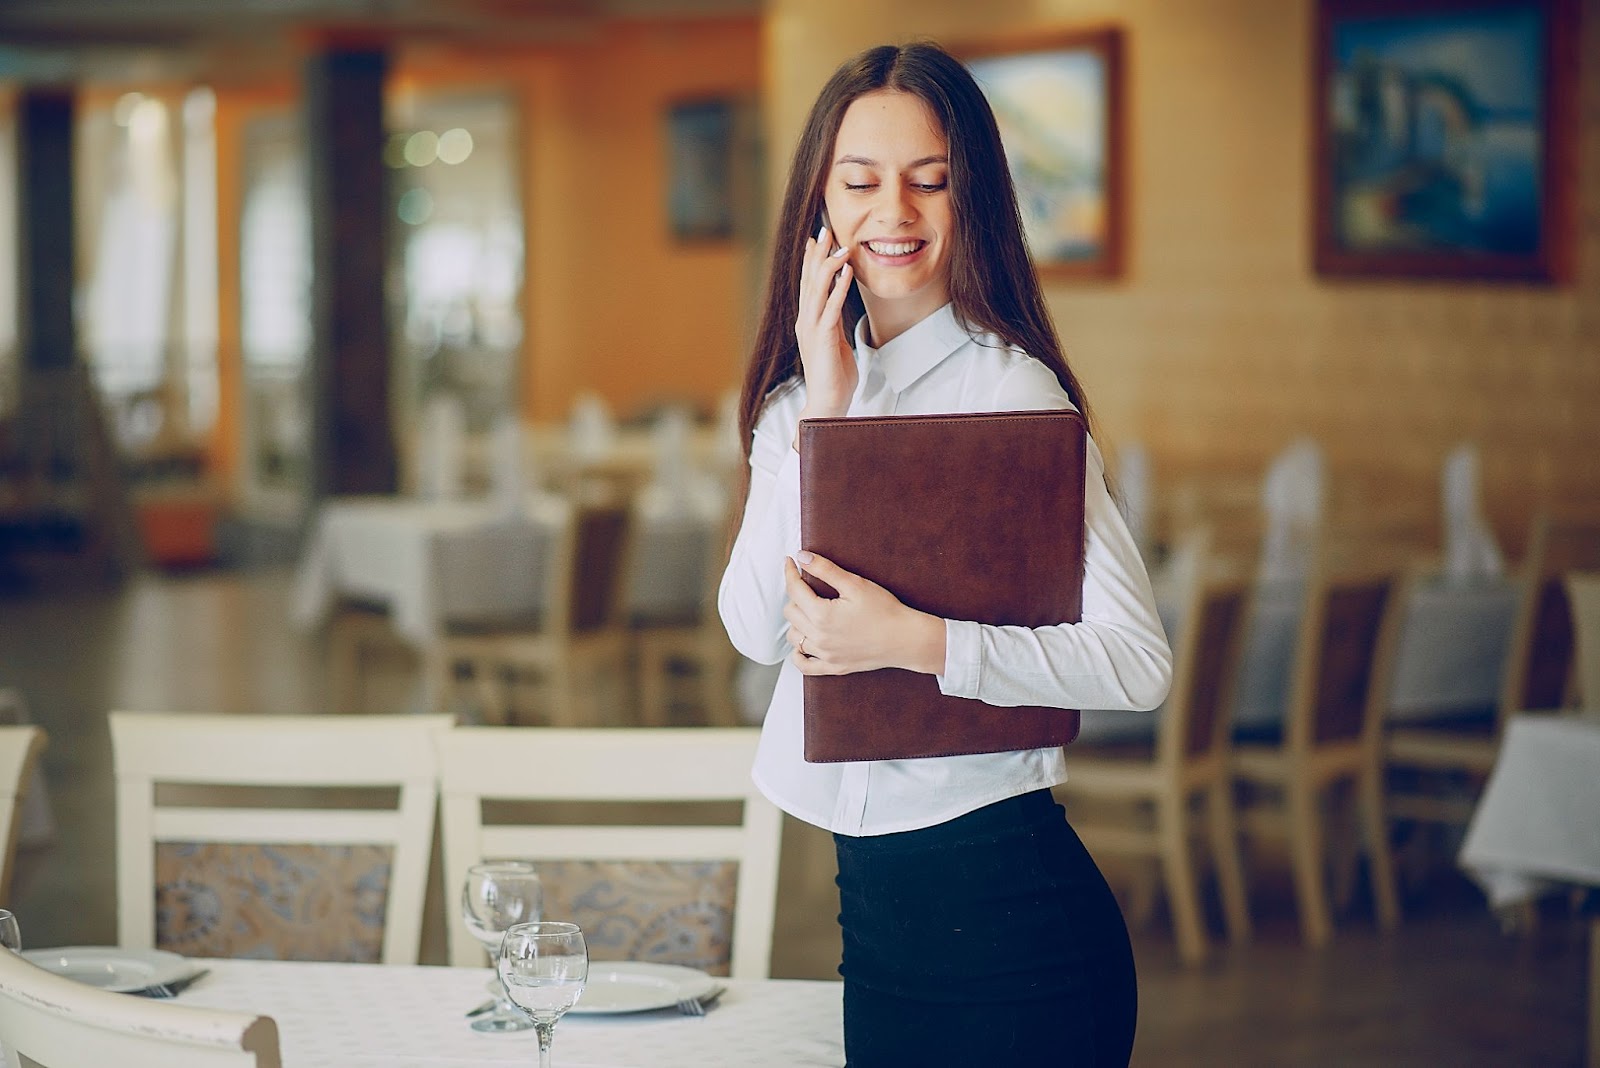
x=173, y=988
x=701, y=1005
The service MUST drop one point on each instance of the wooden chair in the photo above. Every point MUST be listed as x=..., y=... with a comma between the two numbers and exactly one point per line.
x=577, y=645
x=699, y=644
x=56, y=1022
x=19, y=755
x=479, y=765
x=1538, y=676
x=1583, y=592
x=233, y=873
x=1190, y=759
x=1332, y=733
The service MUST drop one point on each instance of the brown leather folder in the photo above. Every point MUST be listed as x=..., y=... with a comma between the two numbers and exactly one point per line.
x=976, y=517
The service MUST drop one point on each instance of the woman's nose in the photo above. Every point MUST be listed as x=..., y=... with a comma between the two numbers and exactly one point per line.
x=893, y=207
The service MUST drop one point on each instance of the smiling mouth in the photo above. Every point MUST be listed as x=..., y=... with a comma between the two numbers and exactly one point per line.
x=895, y=249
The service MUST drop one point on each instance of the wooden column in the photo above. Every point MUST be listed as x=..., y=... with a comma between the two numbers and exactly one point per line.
x=353, y=448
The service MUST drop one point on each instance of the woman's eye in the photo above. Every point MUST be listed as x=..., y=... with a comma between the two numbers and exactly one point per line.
x=930, y=187
x=858, y=188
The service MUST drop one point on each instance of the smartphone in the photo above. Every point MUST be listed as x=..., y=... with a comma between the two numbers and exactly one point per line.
x=823, y=220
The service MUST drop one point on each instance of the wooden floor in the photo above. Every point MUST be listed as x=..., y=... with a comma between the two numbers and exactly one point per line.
x=1449, y=988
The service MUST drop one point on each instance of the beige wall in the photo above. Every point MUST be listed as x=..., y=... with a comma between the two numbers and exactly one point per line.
x=1220, y=344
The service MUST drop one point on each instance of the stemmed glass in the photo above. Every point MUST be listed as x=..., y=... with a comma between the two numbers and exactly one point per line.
x=498, y=895
x=10, y=933
x=544, y=967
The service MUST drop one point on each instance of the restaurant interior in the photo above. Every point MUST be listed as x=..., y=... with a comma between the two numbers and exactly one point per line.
x=370, y=454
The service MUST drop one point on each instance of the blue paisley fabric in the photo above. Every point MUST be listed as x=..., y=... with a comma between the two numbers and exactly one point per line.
x=272, y=902
x=669, y=912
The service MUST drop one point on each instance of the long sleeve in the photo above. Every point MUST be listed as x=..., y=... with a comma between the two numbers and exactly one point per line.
x=751, y=597
x=1117, y=657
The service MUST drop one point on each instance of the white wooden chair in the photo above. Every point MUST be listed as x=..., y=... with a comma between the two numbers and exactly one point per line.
x=303, y=753
x=692, y=764
x=19, y=755
x=57, y=1022
x=1191, y=759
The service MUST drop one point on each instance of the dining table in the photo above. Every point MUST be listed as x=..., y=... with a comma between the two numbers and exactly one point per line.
x=434, y=564
x=413, y=1016
x=1536, y=826
x=1454, y=637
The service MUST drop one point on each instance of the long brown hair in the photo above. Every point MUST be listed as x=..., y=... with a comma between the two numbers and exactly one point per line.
x=992, y=283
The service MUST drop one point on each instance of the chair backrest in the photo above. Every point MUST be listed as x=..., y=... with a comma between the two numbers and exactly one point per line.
x=1539, y=663
x=19, y=754
x=1583, y=589
x=1344, y=657
x=697, y=764
x=359, y=872
x=56, y=1022
x=585, y=589
x=1205, y=655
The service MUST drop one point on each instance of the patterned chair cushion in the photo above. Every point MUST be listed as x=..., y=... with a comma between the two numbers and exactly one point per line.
x=272, y=902
x=670, y=912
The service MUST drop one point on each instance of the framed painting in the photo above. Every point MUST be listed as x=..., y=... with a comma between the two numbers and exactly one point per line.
x=1443, y=138
x=1057, y=97
x=700, y=170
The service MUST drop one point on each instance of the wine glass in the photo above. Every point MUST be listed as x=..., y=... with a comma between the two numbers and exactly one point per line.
x=543, y=967
x=10, y=933
x=499, y=894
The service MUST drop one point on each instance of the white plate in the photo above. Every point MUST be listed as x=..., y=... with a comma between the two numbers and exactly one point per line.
x=616, y=986
x=111, y=968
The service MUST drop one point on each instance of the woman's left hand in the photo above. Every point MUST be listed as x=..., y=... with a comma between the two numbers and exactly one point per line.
x=863, y=629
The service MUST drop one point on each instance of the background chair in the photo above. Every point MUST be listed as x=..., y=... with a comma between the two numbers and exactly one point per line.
x=224, y=872
x=1190, y=759
x=1583, y=592
x=19, y=755
x=1538, y=675
x=479, y=765
x=1332, y=733
x=61, y=1023
x=665, y=648
x=578, y=645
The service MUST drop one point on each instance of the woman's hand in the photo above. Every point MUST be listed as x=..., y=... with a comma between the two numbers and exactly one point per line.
x=864, y=628
x=825, y=353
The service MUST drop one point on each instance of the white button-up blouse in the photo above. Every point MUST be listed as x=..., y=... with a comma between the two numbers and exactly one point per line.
x=1115, y=658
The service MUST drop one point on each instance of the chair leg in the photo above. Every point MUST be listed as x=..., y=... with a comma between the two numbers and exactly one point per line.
x=1226, y=858
x=1177, y=865
x=1305, y=850
x=1380, y=865
x=437, y=679
x=652, y=688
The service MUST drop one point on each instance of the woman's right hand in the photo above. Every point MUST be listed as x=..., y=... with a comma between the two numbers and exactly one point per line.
x=825, y=352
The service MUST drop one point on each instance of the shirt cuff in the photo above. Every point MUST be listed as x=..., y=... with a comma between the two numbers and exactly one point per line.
x=963, y=659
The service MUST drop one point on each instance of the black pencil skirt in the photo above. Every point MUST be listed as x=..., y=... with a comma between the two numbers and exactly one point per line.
x=989, y=940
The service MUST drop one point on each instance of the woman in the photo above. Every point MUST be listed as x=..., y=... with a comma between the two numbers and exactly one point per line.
x=977, y=930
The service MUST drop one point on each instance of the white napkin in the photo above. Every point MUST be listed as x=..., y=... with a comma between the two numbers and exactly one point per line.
x=591, y=432
x=1470, y=551
x=510, y=478
x=1133, y=487
x=728, y=450
x=669, y=447
x=442, y=444
x=1292, y=496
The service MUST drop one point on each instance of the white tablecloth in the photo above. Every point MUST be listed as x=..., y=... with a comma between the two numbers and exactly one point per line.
x=436, y=562
x=389, y=1016
x=1538, y=821
x=1452, y=651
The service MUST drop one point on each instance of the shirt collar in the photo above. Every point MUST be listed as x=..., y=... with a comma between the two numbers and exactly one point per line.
x=915, y=352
